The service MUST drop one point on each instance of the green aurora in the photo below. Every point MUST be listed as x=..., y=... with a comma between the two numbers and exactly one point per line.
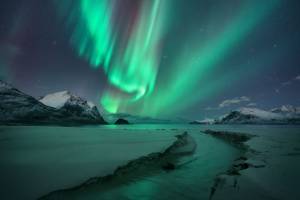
x=139, y=81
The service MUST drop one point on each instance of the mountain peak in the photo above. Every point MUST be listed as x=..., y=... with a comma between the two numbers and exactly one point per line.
x=68, y=102
x=57, y=99
x=62, y=98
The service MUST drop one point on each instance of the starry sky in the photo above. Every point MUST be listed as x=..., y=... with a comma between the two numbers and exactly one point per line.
x=187, y=58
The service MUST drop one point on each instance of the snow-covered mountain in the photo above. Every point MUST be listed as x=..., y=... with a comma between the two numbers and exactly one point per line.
x=257, y=116
x=71, y=104
x=56, y=100
x=17, y=107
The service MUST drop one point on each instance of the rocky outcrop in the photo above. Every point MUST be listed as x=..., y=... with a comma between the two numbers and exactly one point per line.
x=121, y=122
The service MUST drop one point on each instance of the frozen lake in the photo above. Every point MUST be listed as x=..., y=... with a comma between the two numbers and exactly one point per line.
x=37, y=160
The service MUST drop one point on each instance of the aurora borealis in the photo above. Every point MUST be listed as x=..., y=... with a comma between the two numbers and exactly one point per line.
x=131, y=63
x=133, y=69
x=153, y=58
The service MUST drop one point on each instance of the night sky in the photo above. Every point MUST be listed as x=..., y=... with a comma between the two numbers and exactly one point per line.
x=187, y=58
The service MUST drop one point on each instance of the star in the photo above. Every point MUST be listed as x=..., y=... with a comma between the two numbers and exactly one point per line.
x=54, y=42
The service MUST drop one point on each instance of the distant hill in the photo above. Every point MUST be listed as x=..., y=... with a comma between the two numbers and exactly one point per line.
x=285, y=114
x=282, y=115
x=135, y=119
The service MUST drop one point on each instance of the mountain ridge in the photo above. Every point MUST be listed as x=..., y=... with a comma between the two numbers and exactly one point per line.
x=17, y=108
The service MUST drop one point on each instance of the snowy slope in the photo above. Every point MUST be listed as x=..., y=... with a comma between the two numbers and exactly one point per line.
x=63, y=98
x=56, y=100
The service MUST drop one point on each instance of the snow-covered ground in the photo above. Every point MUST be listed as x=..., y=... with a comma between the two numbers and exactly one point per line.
x=38, y=160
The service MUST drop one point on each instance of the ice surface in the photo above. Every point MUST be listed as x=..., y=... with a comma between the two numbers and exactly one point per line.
x=191, y=179
x=37, y=160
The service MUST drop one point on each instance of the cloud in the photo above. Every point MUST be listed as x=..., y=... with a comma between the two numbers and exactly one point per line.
x=230, y=102
x=251, y=104
x=236, y=100
x=287, y=83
